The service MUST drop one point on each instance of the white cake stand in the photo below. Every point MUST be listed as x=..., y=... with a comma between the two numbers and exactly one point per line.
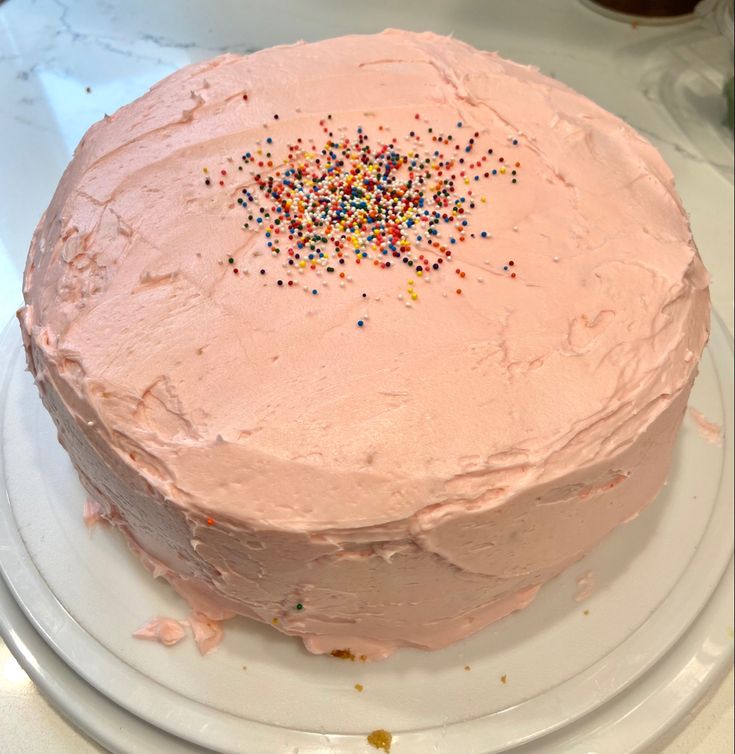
x=607, y=674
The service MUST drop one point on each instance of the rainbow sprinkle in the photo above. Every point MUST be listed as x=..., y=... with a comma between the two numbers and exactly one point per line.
x=353, y=202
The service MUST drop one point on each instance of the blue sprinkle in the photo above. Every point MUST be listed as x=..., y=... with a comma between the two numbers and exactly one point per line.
x=269, y=140
x=515, y=141
x=360, y=323
x=459, y=124
x=484, y=234
x=315, y=291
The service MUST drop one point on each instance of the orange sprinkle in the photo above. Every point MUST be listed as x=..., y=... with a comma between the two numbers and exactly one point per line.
x=459, y=291
x=210, y=522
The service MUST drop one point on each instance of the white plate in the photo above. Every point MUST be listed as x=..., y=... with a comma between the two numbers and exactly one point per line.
x=85, y=595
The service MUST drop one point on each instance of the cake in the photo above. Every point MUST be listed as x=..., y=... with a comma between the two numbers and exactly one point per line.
x=365, y=339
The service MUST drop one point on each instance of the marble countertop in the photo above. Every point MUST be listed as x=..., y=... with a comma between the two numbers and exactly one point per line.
x=63, y=65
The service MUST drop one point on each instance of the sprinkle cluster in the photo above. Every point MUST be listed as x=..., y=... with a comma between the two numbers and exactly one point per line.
x=353, y=201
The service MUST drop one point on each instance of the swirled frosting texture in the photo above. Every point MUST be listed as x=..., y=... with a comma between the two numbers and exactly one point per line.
x=410, y=481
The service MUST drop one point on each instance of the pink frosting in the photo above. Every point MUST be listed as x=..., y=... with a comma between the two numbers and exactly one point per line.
x=207, y=632
x=710, y=431
x=586, y=584
x=409, y=482
x=166, y=631
x=92, y=513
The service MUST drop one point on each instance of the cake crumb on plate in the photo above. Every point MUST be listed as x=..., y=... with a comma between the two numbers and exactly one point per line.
x=380, y=739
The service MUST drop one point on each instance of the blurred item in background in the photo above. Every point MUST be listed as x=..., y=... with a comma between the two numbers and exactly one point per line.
x=650, y=8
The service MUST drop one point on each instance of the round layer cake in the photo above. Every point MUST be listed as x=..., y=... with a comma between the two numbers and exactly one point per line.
x=365, y=339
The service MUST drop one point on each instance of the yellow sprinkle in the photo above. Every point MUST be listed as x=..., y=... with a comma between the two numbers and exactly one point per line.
x=467, y=181
x=483, y=199
x=414, y=296
x=275, y=621
x=502, y=171
x=359, y=687
x=419, y=273
x=205, y=170
x=410, y=282
x=302, y=263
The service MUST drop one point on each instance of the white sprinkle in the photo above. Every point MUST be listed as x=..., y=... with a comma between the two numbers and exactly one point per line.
x=480, y=280
x=515, y=228
x=556, y=259
x=90, y=423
